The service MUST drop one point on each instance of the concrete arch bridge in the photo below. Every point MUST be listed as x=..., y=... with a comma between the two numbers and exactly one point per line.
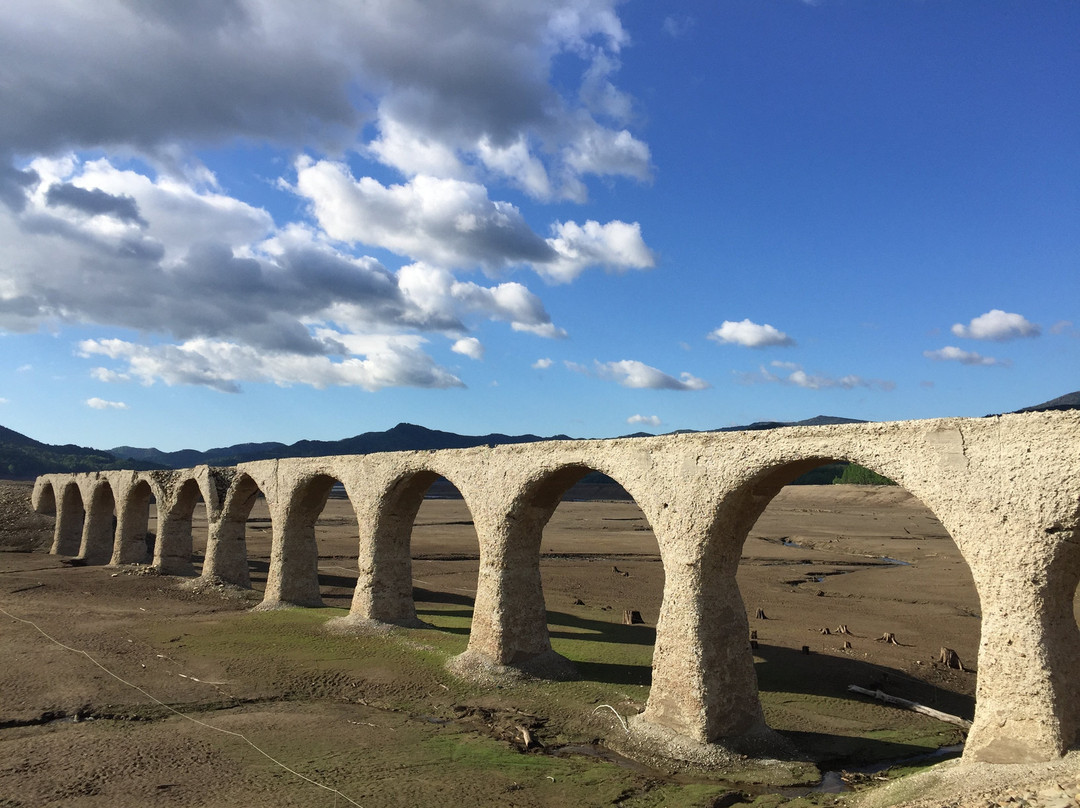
x=1006, y=488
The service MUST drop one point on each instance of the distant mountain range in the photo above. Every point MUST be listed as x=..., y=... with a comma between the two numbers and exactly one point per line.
x=403, y=437
x=25, y=458
x=1069, y=401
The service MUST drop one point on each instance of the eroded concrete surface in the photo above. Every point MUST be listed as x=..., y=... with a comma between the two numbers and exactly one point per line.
x=1007, y=489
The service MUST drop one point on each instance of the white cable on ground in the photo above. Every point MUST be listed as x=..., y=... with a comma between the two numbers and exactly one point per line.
x=158, y=701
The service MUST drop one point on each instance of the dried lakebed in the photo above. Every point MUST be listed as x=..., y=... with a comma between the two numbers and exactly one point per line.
x=380, y=720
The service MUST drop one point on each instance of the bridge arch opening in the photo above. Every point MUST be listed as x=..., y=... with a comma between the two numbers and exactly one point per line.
x=849, y=584
x=238, y=552
x=67, y=537
x=601, y=574
x=136, y=539
x=99, y=532
x=317, y=567
x=45, y=502
x=181, y=533
x=423, y=556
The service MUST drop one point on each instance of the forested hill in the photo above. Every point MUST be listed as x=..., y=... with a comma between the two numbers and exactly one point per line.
x=23, y=458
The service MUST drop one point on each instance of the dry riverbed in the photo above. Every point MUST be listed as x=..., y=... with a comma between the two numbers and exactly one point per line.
x=122, y=687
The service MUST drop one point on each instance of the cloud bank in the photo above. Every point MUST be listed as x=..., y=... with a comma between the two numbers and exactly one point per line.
x=790, y=373
x=109, y=218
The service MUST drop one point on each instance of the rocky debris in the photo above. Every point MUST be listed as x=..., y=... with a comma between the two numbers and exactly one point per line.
x=1057, y=794
x=984, y=785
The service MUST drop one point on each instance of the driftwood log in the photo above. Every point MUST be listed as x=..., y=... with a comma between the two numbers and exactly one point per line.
x=912, y=705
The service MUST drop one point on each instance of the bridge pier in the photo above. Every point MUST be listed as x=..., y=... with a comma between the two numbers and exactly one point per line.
x=509, y=625
x=132, y=524
x=1027, y=700
x=70, y=514
x=704, y=687
x=293, y=577
x=172, y=549
x=384, y=585
x=226, y=552
x=99, y=527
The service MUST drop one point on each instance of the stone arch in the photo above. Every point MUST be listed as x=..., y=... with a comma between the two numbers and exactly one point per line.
x=69, y=520
x=173, y=547
x=510, y=622
x=226, y=543
x=384, y=587
x=135, y=542
x=716, y=698
x=293, y=577
x=43, y=498
x=99, y=528
x=592, y=608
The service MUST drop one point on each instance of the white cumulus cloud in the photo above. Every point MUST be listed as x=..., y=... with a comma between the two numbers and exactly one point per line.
x=102, y=404
x=749, y=334
x=997, y=325
x=647, y=420
x=618, y=246
x=469, y=346
x=951, y=353
x=542, y=364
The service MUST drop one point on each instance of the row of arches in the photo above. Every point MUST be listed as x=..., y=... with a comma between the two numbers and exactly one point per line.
x=699, y=494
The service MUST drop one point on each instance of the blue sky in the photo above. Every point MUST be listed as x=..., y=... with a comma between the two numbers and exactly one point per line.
x=248, y=220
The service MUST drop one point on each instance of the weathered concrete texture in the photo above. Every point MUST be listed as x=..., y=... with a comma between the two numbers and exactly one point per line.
x=1006, y=489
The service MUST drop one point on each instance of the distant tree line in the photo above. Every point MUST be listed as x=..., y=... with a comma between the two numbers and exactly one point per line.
x=27, y=462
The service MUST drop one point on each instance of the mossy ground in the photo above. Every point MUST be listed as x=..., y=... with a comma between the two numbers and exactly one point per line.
x=440, y=728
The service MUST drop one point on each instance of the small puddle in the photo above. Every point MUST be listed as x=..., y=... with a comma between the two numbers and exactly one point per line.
x=603, y=753
x=837, y=782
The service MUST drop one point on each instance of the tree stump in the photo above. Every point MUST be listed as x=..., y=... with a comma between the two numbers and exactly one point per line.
x=888, y=637
x=950, y=659
x=753, y=635
x=847, y=645
x=761, y=614
x=826, y=631
x=843, y=629
x=631, y=616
